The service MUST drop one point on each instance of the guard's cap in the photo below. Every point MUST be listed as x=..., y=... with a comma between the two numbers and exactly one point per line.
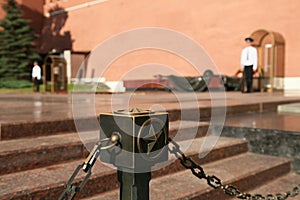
x=249, y=39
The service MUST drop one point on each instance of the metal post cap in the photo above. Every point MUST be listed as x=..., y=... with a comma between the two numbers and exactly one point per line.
x=133, y=111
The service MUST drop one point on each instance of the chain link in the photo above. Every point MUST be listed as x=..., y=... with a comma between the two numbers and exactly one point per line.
x=216, y=182
x=71, y=190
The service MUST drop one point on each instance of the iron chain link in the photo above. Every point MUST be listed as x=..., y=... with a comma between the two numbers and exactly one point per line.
x=71, y=189
x=216, y=183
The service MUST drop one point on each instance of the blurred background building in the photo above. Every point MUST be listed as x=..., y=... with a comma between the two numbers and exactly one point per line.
x=73, y=28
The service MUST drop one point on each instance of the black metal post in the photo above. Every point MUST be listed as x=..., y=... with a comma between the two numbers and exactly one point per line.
x=143, y=139
x=134, y=186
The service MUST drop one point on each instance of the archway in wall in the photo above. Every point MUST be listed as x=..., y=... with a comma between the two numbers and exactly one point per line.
x=271, y=53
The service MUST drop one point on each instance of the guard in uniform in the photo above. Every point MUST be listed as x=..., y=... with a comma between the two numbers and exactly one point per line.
x=249, y=63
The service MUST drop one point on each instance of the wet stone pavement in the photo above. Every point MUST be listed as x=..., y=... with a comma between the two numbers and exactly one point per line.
x=16, y=108
x=254, y=110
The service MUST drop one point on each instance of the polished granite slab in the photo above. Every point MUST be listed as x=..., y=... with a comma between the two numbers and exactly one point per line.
x=15, y=108
x=270, y=120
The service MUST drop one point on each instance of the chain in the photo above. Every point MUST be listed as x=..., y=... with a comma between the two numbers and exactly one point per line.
x=71, y=190
x=216, y=182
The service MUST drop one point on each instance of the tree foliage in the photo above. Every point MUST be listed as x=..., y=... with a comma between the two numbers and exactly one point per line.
x=16, y=43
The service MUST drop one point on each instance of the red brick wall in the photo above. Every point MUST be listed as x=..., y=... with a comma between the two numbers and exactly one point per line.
x=219, y=26
x=32, y=10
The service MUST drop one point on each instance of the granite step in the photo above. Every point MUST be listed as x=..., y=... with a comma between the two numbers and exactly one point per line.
x=280, y=185
x=48, y=182
x=29, y=153
x=24, y=128
x=245, y=171
x=9, y=131
x=27, y=129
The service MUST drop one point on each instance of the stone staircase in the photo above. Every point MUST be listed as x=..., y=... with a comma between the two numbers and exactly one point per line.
x=37, y=166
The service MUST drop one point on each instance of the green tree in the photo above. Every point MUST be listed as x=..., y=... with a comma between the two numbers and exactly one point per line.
x=16, y=44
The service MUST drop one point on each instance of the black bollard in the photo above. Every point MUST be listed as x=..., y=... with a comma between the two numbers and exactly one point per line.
x=143, y=143
x=134, y=185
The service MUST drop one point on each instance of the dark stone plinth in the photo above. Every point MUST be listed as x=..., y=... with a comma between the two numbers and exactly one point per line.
x=10, y=131
x=271, y=142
